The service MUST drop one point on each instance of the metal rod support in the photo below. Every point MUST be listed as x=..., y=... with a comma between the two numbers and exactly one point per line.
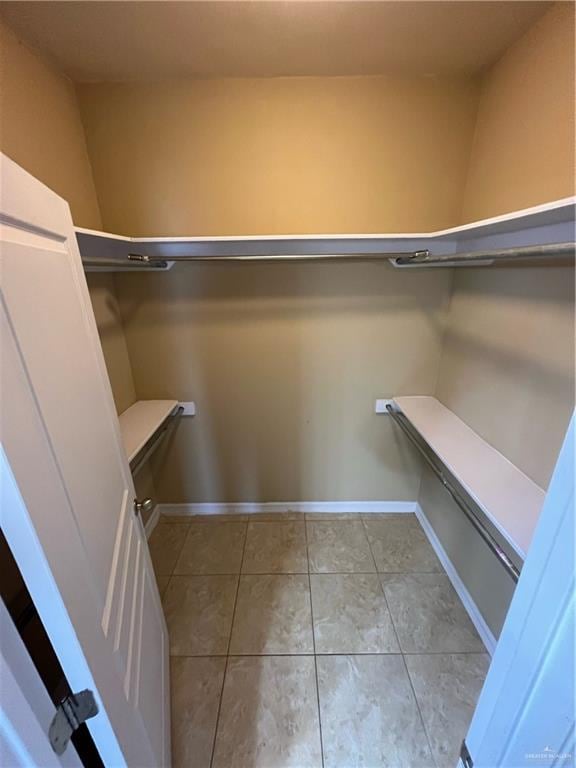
x=168, y=426
x=554, y=250
x=458, y=497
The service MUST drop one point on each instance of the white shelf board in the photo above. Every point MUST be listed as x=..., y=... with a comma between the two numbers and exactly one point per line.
x=139, y=422
x=510, y=499
x=542, y=224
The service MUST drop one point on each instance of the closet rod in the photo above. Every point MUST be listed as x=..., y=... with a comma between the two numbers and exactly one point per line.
x=168, y=426
x=421, y=258
x=412, y=258
x=458, y=497
x=554, y=250
x=136, y=257
x=142, y=261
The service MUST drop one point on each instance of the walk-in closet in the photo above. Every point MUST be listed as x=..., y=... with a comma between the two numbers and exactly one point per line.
x=287, y=383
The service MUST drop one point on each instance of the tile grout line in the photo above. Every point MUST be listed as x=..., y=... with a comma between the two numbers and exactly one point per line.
x=383, y=592
x=228, y=649
x=314, y=646
x=419, y=711
x=314, y=653
x=179, y=555
x=324, y=653
x=305, y=573
x=171, y=656
x=162, y=597
x=401, y=653
x=170, y=575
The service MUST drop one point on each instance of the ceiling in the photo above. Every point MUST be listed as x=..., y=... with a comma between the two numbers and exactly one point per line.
x=143, y=41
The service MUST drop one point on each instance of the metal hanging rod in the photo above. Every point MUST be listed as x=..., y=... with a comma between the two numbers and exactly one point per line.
x=457, y=495
x=143, y=261
x=167, y=427
x=279, y=257
x=412, y=258
x=555, y=250
x=419, y=258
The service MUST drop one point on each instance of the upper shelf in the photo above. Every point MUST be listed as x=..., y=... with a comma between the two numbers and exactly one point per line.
x=139, y=422
x=510, y=500
x=551, y=223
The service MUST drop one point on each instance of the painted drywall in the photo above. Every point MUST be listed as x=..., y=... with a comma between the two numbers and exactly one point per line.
x=507, y=367
x=284, y=363
x=507, y=370
x=111, y=332
x=146, y=42
x=523, y=151
x=41, y=129
x=283, y=155
x=488, y=584
x=508, y=361
x=104, y=299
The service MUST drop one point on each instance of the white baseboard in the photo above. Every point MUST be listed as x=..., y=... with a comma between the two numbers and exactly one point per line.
x=471, y=608
x=363, y=507
x=252, y=508
x=152, y=521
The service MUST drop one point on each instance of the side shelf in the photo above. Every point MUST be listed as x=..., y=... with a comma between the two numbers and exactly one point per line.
x=510, y=500
x=141, y=421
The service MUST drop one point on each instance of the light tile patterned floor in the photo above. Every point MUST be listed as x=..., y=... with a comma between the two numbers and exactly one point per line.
x=302, y=641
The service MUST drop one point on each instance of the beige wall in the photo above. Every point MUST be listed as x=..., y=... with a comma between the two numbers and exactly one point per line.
x=488, y=584
x=284, y=363
x=315, y=155
x=41, y=129
x=108, y=319
x=102, y=287
x=507, y=370
x=523, y=150
x=283, y=155
x=507, y=367
x=508, y=362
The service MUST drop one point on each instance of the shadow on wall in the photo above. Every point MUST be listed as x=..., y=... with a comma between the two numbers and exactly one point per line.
x=284, y=363
x=112, y=338
x=507, y=366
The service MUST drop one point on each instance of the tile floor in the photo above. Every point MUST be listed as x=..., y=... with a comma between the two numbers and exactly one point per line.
x=301, y=641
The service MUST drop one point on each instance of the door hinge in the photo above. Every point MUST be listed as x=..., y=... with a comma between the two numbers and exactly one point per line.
x=465, y=756
x=72, y=711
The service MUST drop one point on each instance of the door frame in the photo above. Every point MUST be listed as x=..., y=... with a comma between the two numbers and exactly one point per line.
x=525, y=714
x=26, y=708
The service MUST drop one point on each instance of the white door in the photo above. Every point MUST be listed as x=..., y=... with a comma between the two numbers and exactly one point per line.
x=67, y=492
x=527, y=709
x=27, y=710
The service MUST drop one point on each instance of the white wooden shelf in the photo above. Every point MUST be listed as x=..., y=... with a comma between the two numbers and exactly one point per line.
x=550, y=223
x=139, y=422
x=509, y=499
